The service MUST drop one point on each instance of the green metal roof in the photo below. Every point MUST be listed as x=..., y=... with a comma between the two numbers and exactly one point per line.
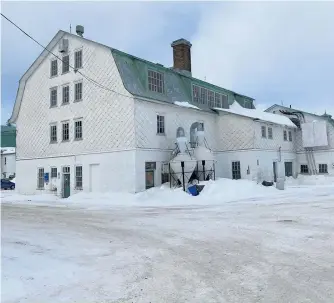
x=8, y=136
x=178, y=86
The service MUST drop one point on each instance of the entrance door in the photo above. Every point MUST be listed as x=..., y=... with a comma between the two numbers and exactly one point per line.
x=275, y=171
x=288, y=169
x=66, y=182
x=149, y=174
x=94, y=177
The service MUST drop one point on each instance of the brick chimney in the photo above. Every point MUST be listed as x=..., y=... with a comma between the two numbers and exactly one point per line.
x=182, y=56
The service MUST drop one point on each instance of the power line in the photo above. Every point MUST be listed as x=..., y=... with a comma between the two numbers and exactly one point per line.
x=74, y=69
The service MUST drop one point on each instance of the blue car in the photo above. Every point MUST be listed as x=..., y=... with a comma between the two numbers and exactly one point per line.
x=6, y=184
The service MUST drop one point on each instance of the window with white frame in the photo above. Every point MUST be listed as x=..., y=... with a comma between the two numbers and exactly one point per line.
x=204, y=95
x=53, y=133
x=40, y=178
x=66, y=131
x=54, y=68
x=304, y=169
x=156, y=81
x=196, y=93
x=66, y=94
x=270, y=132
x=290, y=136
x=211, y=98
x=53, y=172
x=224, y=101
x=323, y=169
x=53, y=97
x=78, y=129
x=218, y=100
x=160, y=124
x=285, y=135
x=264, y=131
x=66, y=64
x=78, y=177
x=78, y=91
x=78, y=59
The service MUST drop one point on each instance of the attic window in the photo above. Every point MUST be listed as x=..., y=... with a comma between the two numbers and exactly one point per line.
x=211, y=98
x=156, y=82
x=195, y=93
x=218, y=100
x=204, y=94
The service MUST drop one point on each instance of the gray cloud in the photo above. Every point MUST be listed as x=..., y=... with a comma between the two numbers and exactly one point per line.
x=272, y=51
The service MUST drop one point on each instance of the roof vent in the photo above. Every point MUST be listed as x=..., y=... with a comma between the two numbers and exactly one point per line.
x=80, y=30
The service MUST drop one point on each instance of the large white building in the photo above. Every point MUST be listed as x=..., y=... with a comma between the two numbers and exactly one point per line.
x=110, y=123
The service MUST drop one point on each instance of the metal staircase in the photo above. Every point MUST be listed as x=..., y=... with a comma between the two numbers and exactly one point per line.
x=311, y=161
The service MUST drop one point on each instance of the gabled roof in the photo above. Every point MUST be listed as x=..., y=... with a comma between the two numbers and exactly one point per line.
x=236, y=109
x=291, y=109
x=133, y=70
x=29, y=72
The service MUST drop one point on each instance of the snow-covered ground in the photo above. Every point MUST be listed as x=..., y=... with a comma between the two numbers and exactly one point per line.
x=236, y=242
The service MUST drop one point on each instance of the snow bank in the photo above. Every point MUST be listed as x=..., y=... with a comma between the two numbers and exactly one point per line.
x=185, y=104
x=214, y=193
x=225, y=190
x=306, y=180
x=236, y=109
x=13, y=197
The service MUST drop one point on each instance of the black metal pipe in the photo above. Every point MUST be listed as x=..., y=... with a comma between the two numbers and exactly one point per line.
x=214, y=171
x=182, y=166
x=203, y=164
x=170, y=176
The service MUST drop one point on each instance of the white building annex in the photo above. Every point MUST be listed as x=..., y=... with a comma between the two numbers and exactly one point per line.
x=8, y=162
x=110, y=124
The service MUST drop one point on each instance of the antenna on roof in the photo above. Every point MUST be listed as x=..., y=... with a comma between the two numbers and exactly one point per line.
x=70, y=28
x=282, y=102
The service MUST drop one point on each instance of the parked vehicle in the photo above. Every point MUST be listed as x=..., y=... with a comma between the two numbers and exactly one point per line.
x=6, y=184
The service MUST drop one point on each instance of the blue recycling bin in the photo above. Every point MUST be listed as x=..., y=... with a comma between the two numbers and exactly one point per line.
x=193, y=190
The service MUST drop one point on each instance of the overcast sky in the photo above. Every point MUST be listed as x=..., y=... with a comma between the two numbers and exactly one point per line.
x=272, y=51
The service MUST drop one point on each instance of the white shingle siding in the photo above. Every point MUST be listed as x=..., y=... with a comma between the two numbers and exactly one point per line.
x=146, y=124
x=109, y=123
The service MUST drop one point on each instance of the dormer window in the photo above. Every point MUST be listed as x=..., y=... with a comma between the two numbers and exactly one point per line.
x=156, y=82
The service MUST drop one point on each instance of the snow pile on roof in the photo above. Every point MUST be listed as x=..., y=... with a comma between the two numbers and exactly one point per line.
x=185, y=104
x=7, y=150
x=237, y=109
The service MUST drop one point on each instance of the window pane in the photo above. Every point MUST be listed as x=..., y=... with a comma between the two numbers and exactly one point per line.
x=78, y=59
x=155, y=81
x=66, y=64
x=40, y=178
x=54, y=68
x=66, y=135
x=160, y=124
x=218, y=100
x=224, y=101
x=53, y=172
x=78, y=91
x=263, y=131
x=211, y=100
x=78, y=176
x=53, y=97
x=78, y=130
